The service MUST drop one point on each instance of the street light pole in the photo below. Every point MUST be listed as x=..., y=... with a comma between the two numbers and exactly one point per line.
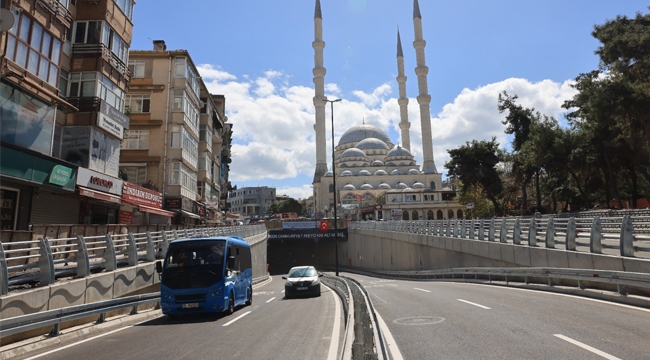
x=336, y=230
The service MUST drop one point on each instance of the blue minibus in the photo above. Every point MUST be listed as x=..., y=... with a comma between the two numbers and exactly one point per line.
x=205, y=274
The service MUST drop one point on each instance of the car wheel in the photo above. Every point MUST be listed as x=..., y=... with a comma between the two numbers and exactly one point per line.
x=231, y=304
x=250, y=296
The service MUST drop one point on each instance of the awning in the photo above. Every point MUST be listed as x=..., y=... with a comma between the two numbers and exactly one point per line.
x=156, y=211
x=99, y=195
x=187, y=213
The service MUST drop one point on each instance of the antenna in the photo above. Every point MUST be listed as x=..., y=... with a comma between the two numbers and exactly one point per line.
x=7, y=20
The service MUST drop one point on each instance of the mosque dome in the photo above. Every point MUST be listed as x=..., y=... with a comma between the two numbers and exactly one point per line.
x=372, y=143
x=329, y=173
x=414, y=171
x=418, y=185
x=358, y=133
x=383, y=186
x=366, y=187
x=396, y=172
x=364, y=172
x=346, y=173
x=353, y=152
x=401, y=185
x=399, y=151
x=381, y=172
x=377, y=163
x=349, y=187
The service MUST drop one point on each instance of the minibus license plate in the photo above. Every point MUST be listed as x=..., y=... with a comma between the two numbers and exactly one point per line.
x=190, y=305
x=302, y=288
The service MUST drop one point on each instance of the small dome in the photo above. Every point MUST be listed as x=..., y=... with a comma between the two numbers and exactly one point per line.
x=418, y=185
x=377, y=163
x=366, y=187
x=361, y=132
x=408, y=189
x=381, y=172
x=329, y=173
x=349, y=187
x=399, y=151
x=346, y=173
x=396, y=172
x=401, y=185
x=383, y=186
x=414, y=171
x=372, y=143
x=364, y=172
x=352, y=152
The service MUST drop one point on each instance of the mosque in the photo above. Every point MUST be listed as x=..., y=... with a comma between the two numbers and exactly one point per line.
x=376, y=179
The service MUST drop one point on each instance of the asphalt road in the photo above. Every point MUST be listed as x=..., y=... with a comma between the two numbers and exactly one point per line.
x=271, y=328
x=442, y=320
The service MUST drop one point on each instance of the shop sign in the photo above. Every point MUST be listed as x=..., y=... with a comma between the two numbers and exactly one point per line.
x=125, y=217
x=60, y=175
x=112, y=127
x=370, y=208
x=114, y=114
x=90, y=148
x=98, y=181
x=187, y=205
x=396, y=214
x=172, y=203
x=138, y=195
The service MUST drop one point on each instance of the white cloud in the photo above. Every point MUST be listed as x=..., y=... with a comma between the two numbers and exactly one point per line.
x=273, y=122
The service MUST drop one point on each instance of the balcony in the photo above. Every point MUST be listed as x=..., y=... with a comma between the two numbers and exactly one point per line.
x=81, y=50
x=86, y=104
x=58, y=11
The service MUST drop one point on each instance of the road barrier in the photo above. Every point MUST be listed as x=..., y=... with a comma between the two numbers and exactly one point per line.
x=44, y=260
x=627, y=234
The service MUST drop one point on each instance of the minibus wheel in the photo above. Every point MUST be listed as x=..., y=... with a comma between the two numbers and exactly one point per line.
x=250, y=296
x=231, y=304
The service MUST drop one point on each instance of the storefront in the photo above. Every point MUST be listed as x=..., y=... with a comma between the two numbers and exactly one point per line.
x=142, y=206
x=101, y=196
x=27, y=180
x=186, y=211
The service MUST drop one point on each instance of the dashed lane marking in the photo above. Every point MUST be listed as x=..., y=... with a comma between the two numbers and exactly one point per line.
x=422, y=290
x=475, y=304
x=237, y=318
x=269, y=300
x=586, y=347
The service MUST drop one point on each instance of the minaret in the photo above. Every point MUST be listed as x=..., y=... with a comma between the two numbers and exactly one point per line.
x=319, y=87
x=423, y=97
x=403, y=101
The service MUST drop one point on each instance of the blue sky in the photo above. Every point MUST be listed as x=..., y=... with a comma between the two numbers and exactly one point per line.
x=258, y=54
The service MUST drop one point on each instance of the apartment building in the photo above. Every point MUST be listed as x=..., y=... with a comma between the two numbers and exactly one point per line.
x=63, y=81
x=175, y=142
x=252, y=201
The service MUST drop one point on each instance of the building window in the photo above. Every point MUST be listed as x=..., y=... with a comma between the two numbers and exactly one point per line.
x=190, y=149
x=138, y=103
x=33, y=48
x=63, y=82
x=91, y=84
x=410, y=198
x=176, y=137
x=183, y=176
x=137, y=68
x=182, y=68
x=126, y=6
x=136, y=174
x=135, y=140
x=99, y=32
x=433, y=185
x=183, y=103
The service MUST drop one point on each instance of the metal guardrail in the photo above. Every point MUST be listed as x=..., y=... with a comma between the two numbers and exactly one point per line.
x=341, y=287
x=44, y=260
x=625, y=234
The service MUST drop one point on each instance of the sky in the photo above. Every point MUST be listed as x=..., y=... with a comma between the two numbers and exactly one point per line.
x=259, y=55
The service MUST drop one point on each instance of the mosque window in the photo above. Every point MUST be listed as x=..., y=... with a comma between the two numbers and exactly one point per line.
x=331, y=188
x=433, y=185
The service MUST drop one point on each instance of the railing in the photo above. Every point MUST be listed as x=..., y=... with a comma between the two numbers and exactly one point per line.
x=107, y=55
x=44, y=260
x=625, y=236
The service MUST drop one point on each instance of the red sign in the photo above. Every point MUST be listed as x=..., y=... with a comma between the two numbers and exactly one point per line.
x=126, y=217
x=138, y=195
x=324, y=225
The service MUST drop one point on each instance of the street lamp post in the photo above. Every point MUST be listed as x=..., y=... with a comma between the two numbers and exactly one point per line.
x=336, y=230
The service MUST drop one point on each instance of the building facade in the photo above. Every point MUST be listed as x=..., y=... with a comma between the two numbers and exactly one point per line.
x=176, y=139
x=252, y=201
x=63, y=81
x=376, y=179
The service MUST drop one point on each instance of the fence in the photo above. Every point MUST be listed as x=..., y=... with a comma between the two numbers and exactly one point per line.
x=624, y=236
x=43, y=260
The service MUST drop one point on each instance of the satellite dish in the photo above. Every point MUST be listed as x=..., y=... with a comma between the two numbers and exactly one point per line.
x=7, y=19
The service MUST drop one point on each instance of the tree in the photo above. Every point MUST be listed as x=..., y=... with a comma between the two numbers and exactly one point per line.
x=474, y=164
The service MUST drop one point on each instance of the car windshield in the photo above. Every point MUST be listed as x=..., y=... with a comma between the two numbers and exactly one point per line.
x=194, y=264
x=301, y=272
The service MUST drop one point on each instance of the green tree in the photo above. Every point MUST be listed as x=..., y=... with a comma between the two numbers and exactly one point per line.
x=474, y=164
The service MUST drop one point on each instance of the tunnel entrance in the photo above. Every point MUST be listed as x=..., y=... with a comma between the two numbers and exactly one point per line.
x=286, y=249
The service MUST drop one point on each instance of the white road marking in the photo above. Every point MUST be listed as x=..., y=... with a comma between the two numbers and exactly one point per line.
x=237, y=318
x=334, y=341
x=422, y=290
x=388, y=339
x=263, y=292
x=378, y=298
x=586, y=347
x=89, y=339
x=282, y=292
x=475, y=304
x=269, y=300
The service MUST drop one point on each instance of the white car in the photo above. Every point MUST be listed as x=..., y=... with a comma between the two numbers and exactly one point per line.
x=302, y=280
